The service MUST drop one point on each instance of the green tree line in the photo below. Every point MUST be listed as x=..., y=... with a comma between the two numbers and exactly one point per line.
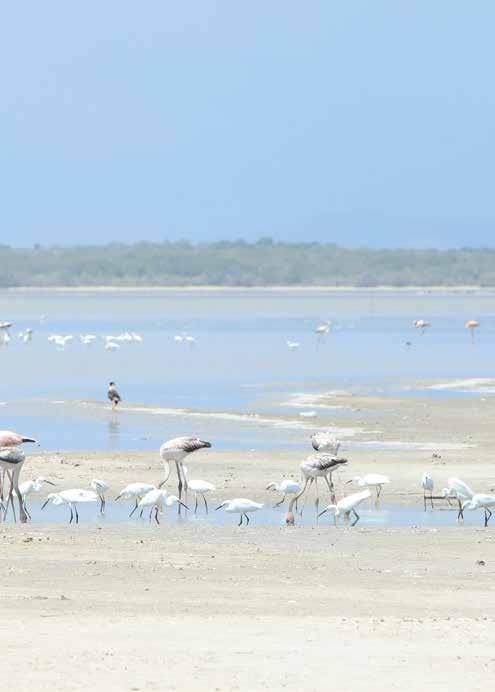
x=264, y=263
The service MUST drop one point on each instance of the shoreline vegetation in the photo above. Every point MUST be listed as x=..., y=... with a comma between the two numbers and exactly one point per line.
x=239, y=265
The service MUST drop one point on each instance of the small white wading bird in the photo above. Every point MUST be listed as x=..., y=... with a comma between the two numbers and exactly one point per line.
x=136, y=492
x=461, y=491
x=324, y=442
x=371, y=480
x=29, y=487
x=113, y=395
x=322, y=329
x=312, y=468
x=177, y=450
x=156, y=499
x=286, y=487
x=100, y=488
x=198, y=487
x=240, y=505
x=72, y=498
x=292, y=345
x=427, y=485
x=421, y=325
x=347, y=505
x=481, y=501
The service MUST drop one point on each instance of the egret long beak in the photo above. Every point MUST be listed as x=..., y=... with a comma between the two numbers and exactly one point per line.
x=118, y=497
x=50, y=483
x=322, y=512
x=347, y=482
x=45, y=504
x=219, y=507
x=183, y=505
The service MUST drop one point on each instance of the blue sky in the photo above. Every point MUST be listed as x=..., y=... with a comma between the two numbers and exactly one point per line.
x=362, y=123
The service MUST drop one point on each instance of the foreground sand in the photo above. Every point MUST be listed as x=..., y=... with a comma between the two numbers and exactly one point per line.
x=201, y=607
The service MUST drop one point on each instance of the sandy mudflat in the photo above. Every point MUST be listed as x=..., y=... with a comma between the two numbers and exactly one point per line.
x=203, y=607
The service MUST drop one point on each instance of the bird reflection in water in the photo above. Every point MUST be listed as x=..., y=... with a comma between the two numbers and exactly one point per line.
x=113, y=430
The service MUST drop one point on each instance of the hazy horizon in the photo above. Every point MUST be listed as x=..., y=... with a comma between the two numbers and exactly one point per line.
x=366, y=125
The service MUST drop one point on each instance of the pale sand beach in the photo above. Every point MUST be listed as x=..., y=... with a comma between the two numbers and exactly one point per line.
x=195, y=606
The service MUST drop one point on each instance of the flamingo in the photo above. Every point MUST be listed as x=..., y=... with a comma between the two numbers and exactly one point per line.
x=9, y=438
x=324, y=442
x=113, y=395
x=347, y=505
x=11, y=462
x=312, y=468
x=472, y=325
x=198, y=487
x=72, y=498
x=242, y=506
x=177, y=450
x=422, y=325
x=135, y=491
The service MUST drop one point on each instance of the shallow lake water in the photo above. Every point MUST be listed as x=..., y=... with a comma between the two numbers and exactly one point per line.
x=239, y=364
x=388, y=515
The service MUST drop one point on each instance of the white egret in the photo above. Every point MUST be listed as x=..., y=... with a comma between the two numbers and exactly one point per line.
x=347, y=505
x=292, y=345
x=371, y=480
x=422, y=325
x=156, y=499
x=135, y=491
x=242, y=506
x=33, y=486
x=427, y=485
x=481, y=501
x=286, y=487
x=72, y=498
x=198, y=487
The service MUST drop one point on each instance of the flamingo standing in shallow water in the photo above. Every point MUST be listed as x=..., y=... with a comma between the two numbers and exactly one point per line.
x=177, y=450
x=312, y=468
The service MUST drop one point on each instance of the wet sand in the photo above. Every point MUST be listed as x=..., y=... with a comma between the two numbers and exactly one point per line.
x=191, y=606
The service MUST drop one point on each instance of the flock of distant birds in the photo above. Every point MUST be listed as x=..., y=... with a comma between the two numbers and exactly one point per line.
x=113, y=342
x=156, y=499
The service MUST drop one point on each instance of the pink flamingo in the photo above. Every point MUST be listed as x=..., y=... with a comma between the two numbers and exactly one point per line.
x=11, y=463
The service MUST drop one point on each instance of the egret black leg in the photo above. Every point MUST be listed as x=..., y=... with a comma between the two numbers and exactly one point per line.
x=77, y=514
x=240, y=522
x=206, y=504
x=196, y=505
x=461, y=511
x=156, y=515
x=247, y=518
x=135, y=507
x=277, y=504
x=177, y=466
x=357, y=517
x=71, y=516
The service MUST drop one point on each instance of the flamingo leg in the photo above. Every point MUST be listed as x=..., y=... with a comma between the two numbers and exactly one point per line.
x=317, y=499
x=179, y=475
x=331, y=488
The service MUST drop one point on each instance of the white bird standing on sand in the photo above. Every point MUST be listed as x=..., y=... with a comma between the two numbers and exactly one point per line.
x=347, y=505
x=111, y=346
x=100, y=488
x=177, y=450
x=427, y=485
x=136, y=492
x=156, y=499
x=312, y=468
x=29, y=487
x=422, y=325
x=240, y=505
x=72, y=498
x=481, y=501
x=4, y=333
x=198, y=487
x=286, y=487
x=324, y=442
x=371, y=480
